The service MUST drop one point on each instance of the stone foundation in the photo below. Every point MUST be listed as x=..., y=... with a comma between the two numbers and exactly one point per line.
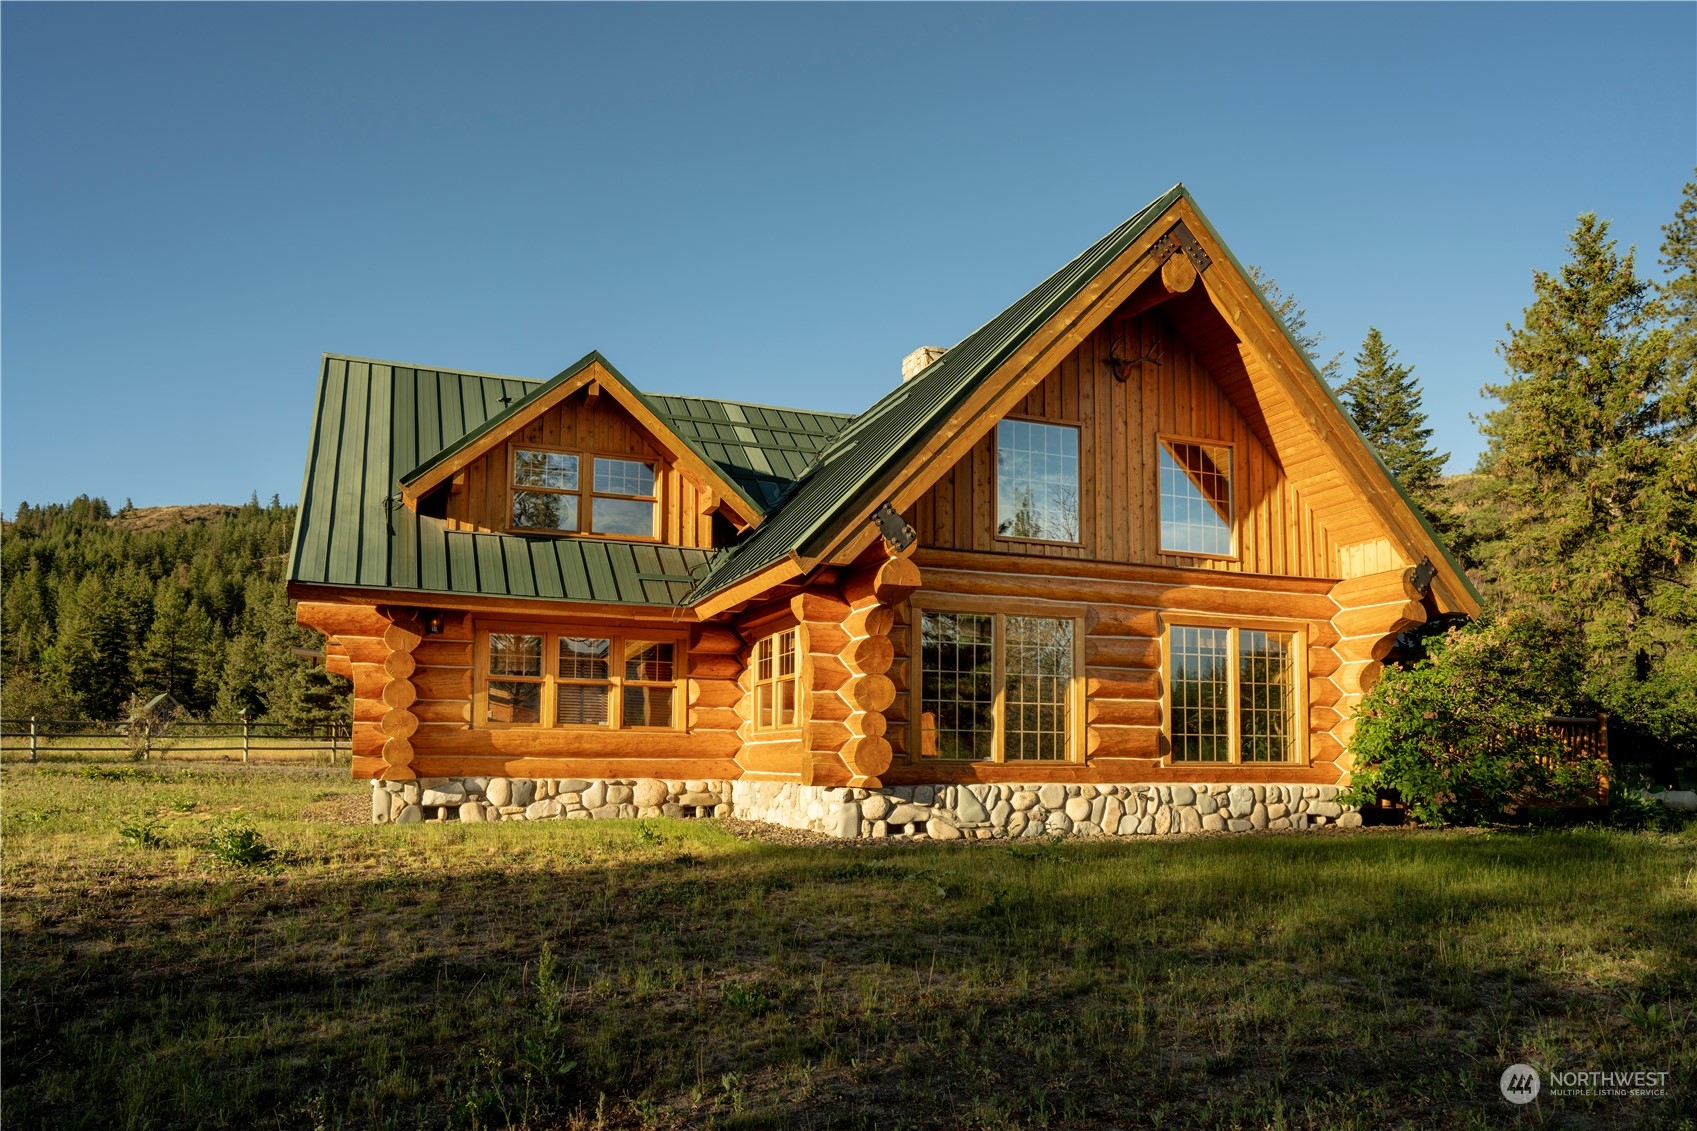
x=954, y=812
x=540, y=799
x=943, y=812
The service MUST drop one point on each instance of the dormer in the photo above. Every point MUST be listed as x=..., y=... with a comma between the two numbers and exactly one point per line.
x=582, y=456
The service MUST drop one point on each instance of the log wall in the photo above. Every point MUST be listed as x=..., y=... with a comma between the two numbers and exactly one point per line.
x=1124, y=610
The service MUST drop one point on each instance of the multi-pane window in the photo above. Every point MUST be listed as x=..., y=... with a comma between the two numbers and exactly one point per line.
x=995, y=687
x=1234, y=694
x=774, y=681
x=516, y=680
x=649, y=681
x=1037, y=481
x=1196, y=498
x=957, y=687
x=1037, y=680
x=549, y=493
x=559, y=679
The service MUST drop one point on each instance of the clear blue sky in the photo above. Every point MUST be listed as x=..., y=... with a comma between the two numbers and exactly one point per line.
x=771, y=203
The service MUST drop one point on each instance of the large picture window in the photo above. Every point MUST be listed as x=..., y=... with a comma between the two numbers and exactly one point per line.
x=1037, y=481
x=573, y=493
x=1234, y=694
x=996, y=687
x=1196, y=498
x=563, y=679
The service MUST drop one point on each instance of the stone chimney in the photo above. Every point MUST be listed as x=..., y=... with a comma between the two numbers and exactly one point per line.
x=919, y=359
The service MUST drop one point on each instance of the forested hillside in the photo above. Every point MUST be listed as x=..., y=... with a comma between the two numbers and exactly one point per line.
x=100, y=606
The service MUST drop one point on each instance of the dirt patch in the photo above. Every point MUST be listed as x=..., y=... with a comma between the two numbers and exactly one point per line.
x=343, y=809
x=143, y=519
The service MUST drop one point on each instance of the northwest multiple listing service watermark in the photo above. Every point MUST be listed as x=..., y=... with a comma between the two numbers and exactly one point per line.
x=1521, y=1083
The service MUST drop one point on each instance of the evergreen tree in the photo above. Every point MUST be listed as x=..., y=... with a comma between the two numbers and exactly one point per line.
x=1679, y=292
x=1593, y=481
x=97, y=607
x=1295, y=317
x=1383, y=399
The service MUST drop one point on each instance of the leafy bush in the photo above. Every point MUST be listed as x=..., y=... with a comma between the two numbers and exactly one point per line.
x=236, y=842
x=143, y=832
x=1460, y=734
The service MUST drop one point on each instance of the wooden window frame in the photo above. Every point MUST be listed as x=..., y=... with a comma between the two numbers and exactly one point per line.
x=585, y=492
x=551, y=679
x=996, y=483
x=793, y=631
x=999, y=609
x=1161, y=439
x=1235, y=626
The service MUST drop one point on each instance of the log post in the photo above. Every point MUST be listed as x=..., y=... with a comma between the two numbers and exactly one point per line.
x=1372, y=611
x=247, y=730
x=32, y=745
x=872, y=594
x=404, y=634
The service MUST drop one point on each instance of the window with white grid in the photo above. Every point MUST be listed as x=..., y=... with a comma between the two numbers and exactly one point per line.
x=1037, y=481
x=1235, y=694
x=1196, y=498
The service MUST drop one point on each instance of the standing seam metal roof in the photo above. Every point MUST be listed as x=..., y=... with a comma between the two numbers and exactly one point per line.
x=375, y=420
x=880, y=438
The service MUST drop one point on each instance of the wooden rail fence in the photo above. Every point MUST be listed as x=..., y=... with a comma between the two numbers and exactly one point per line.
x=34, y=737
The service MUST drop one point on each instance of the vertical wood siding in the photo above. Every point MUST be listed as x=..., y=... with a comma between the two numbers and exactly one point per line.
x=592, y=426
x=1119, y=505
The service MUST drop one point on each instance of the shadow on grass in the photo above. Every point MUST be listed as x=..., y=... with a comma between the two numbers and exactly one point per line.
x=1369, y=980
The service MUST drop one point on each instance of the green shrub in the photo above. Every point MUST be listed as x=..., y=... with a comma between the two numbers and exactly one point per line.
x=1459, y=735
x=143, y=832
x=236, y=842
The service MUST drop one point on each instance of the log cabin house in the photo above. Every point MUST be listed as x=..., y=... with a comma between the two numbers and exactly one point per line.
x=1115, y=563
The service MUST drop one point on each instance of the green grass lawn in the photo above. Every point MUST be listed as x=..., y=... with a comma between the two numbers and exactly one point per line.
x=656, y=974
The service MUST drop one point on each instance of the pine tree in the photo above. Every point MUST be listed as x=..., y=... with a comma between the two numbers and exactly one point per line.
x=1383, y=399
x=1594, y=482
x=1679, y=292
x=1295, y=317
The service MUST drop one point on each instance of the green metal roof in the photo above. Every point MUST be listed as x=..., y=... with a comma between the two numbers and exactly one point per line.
x=870, y=450
x=376, y=420
x=764, y=449
x=380, y=422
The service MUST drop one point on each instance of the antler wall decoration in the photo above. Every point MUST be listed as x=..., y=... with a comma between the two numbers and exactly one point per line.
x=1122, y=365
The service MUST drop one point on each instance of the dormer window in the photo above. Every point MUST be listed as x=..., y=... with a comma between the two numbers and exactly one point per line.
x=549, y=494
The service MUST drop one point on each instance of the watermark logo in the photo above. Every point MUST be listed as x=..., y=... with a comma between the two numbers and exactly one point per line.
x=1520, y=1084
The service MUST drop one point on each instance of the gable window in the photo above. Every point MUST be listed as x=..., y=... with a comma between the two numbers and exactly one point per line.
x=774, y=681
x=549, y=493
x=996, y=687
x=1037, y=481
x=1196, y=498
x=1234, y=694
x=560, y=679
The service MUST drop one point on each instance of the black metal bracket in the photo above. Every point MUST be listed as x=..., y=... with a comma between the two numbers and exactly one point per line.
x=1198, y=258
x=1423, y=575
x=894, y=529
